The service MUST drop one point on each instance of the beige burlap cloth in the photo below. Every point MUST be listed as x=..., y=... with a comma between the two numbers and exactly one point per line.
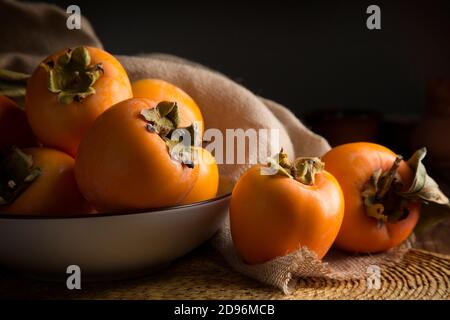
x=284, y=272
x=29, y=32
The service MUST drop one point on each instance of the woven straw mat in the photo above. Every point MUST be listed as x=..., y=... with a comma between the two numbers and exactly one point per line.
x=203, y=274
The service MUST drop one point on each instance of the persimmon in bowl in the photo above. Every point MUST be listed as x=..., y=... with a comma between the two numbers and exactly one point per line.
x=153, y=200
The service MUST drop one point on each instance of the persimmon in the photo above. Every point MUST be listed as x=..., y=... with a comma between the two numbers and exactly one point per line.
x=160, y=90
x=69, y=90
x=39, y=181
x=207, y=182
x=280, y=207
x=382, y=195
x=14, y=127
x=130, y=160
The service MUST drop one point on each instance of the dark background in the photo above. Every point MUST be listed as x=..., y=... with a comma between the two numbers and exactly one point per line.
x=308, y=55
x=318, y=58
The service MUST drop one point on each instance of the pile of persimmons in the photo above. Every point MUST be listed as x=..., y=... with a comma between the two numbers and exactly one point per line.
x=90, y=141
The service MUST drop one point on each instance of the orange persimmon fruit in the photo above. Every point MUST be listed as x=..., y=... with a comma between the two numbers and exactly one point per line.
x=278, y=208
x=126, y=160
x=160, y=90
x=14, y=127
x=376, y=218
x=207, y=182
x=69, y=90
x=39, y=181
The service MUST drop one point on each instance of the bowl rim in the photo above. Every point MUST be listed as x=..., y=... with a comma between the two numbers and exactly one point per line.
x=111, y=213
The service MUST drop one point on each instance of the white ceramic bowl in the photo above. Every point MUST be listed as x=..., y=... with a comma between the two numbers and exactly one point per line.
x=107, y=246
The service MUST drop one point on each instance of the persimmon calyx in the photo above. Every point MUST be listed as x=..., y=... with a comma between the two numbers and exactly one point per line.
x=303, y=169
x=423, y=187
x=306, y=168
x=72, y=76
x=164, y=120
x=280, y=164
x=17, y=172
x=384, y=195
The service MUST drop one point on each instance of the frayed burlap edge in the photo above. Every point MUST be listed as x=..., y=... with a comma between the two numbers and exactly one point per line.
x=283, y=272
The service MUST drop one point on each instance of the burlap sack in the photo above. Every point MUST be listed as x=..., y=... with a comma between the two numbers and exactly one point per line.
x=283, y=272
x=28, y=32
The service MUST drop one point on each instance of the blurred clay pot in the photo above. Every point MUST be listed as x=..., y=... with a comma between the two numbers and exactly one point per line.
x=438, y=97
x=433, y=132
x=340, y=127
